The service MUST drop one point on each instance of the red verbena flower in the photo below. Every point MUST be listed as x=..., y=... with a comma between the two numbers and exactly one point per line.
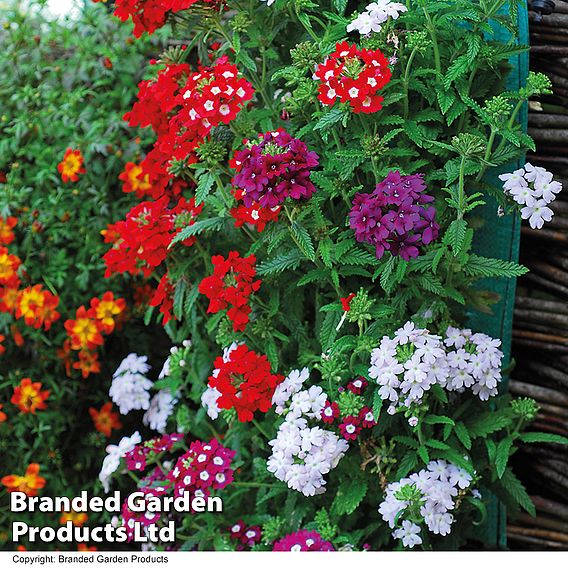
x=245, y=381
x=164, y=297
x=230, y=286
x=353, y=76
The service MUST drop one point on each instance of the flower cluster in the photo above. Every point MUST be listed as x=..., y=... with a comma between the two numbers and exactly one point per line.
x=246, y=537
x=354, y=76
x=130, y=386
x=274, y=169
x=136, y=458
x=253, y=216
x=29, y=397
x=149, y=15
x=434, y=492
x=204, y=467
x=33, y=304
x=160, y=409
x=71, y=166
x=7, y=230
x=396, y=216
x=474, y=361
x=376, y=14
x=244, y=381
x=533, y=188
x=140, y=242
x=303, y=541
x=230, y=286
x=350, y=410
x=111, y=461
x=85, y=332
x=182, y=107
x=29, y=483
x=407, y=366
x=301, y=455
x=105, y=420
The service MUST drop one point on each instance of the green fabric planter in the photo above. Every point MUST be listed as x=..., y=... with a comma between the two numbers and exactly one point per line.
x=500, y=238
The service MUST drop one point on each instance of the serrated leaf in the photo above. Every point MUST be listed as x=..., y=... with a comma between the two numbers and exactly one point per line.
x=349, y=496
x=204, y=185
x=287, y=261
x=512, y=485
x=463, y=435
x=211, y=224
x=303, y=240
x=542, y=437
x=502, y=456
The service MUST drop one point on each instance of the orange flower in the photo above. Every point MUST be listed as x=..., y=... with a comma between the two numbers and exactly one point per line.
x=37, y=306
x=106, y=308
x=88, y=363
x=28, y=483
x=16, y=335
x=82, y=547
x=29, y=397
x=105, y=419
x=21, y=548
x=6, y=233
x=135, y=180
x=3, y=416
x=64, y=353
x=78, y=519
x=71, y=165
x=9, y=264
x=9, y=295
x=84, y=330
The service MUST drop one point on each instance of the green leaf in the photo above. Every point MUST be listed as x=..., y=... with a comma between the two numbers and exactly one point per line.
x=435, y=419
x=488, y=423
x=328, y=330
x=424, y=455
x=349, y=496
x=502, y=456
x=303, y=240
x=493, y=267
x=542, y=437
x=287, y=261
x=204, y=185
x=455, y=235
x=211, y=224
x=327, y=120
x=516, y=490
x=463, y=435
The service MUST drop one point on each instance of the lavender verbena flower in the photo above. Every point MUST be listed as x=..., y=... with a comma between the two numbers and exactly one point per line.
x=436, y=490
x=533, y=188
x=395, y=217
x=302, y=455
x=407, y=366
x=475, y=362
x=375, y=14
x=274, y=169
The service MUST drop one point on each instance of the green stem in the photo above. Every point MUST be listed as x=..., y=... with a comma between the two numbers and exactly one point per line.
x=406, y=81
x=261, y=429
x=461, y=190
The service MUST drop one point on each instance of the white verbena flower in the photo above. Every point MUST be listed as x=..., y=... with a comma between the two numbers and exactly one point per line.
x=111, y=461
x=129, y=387
x=374, y=15
x=161, y=408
